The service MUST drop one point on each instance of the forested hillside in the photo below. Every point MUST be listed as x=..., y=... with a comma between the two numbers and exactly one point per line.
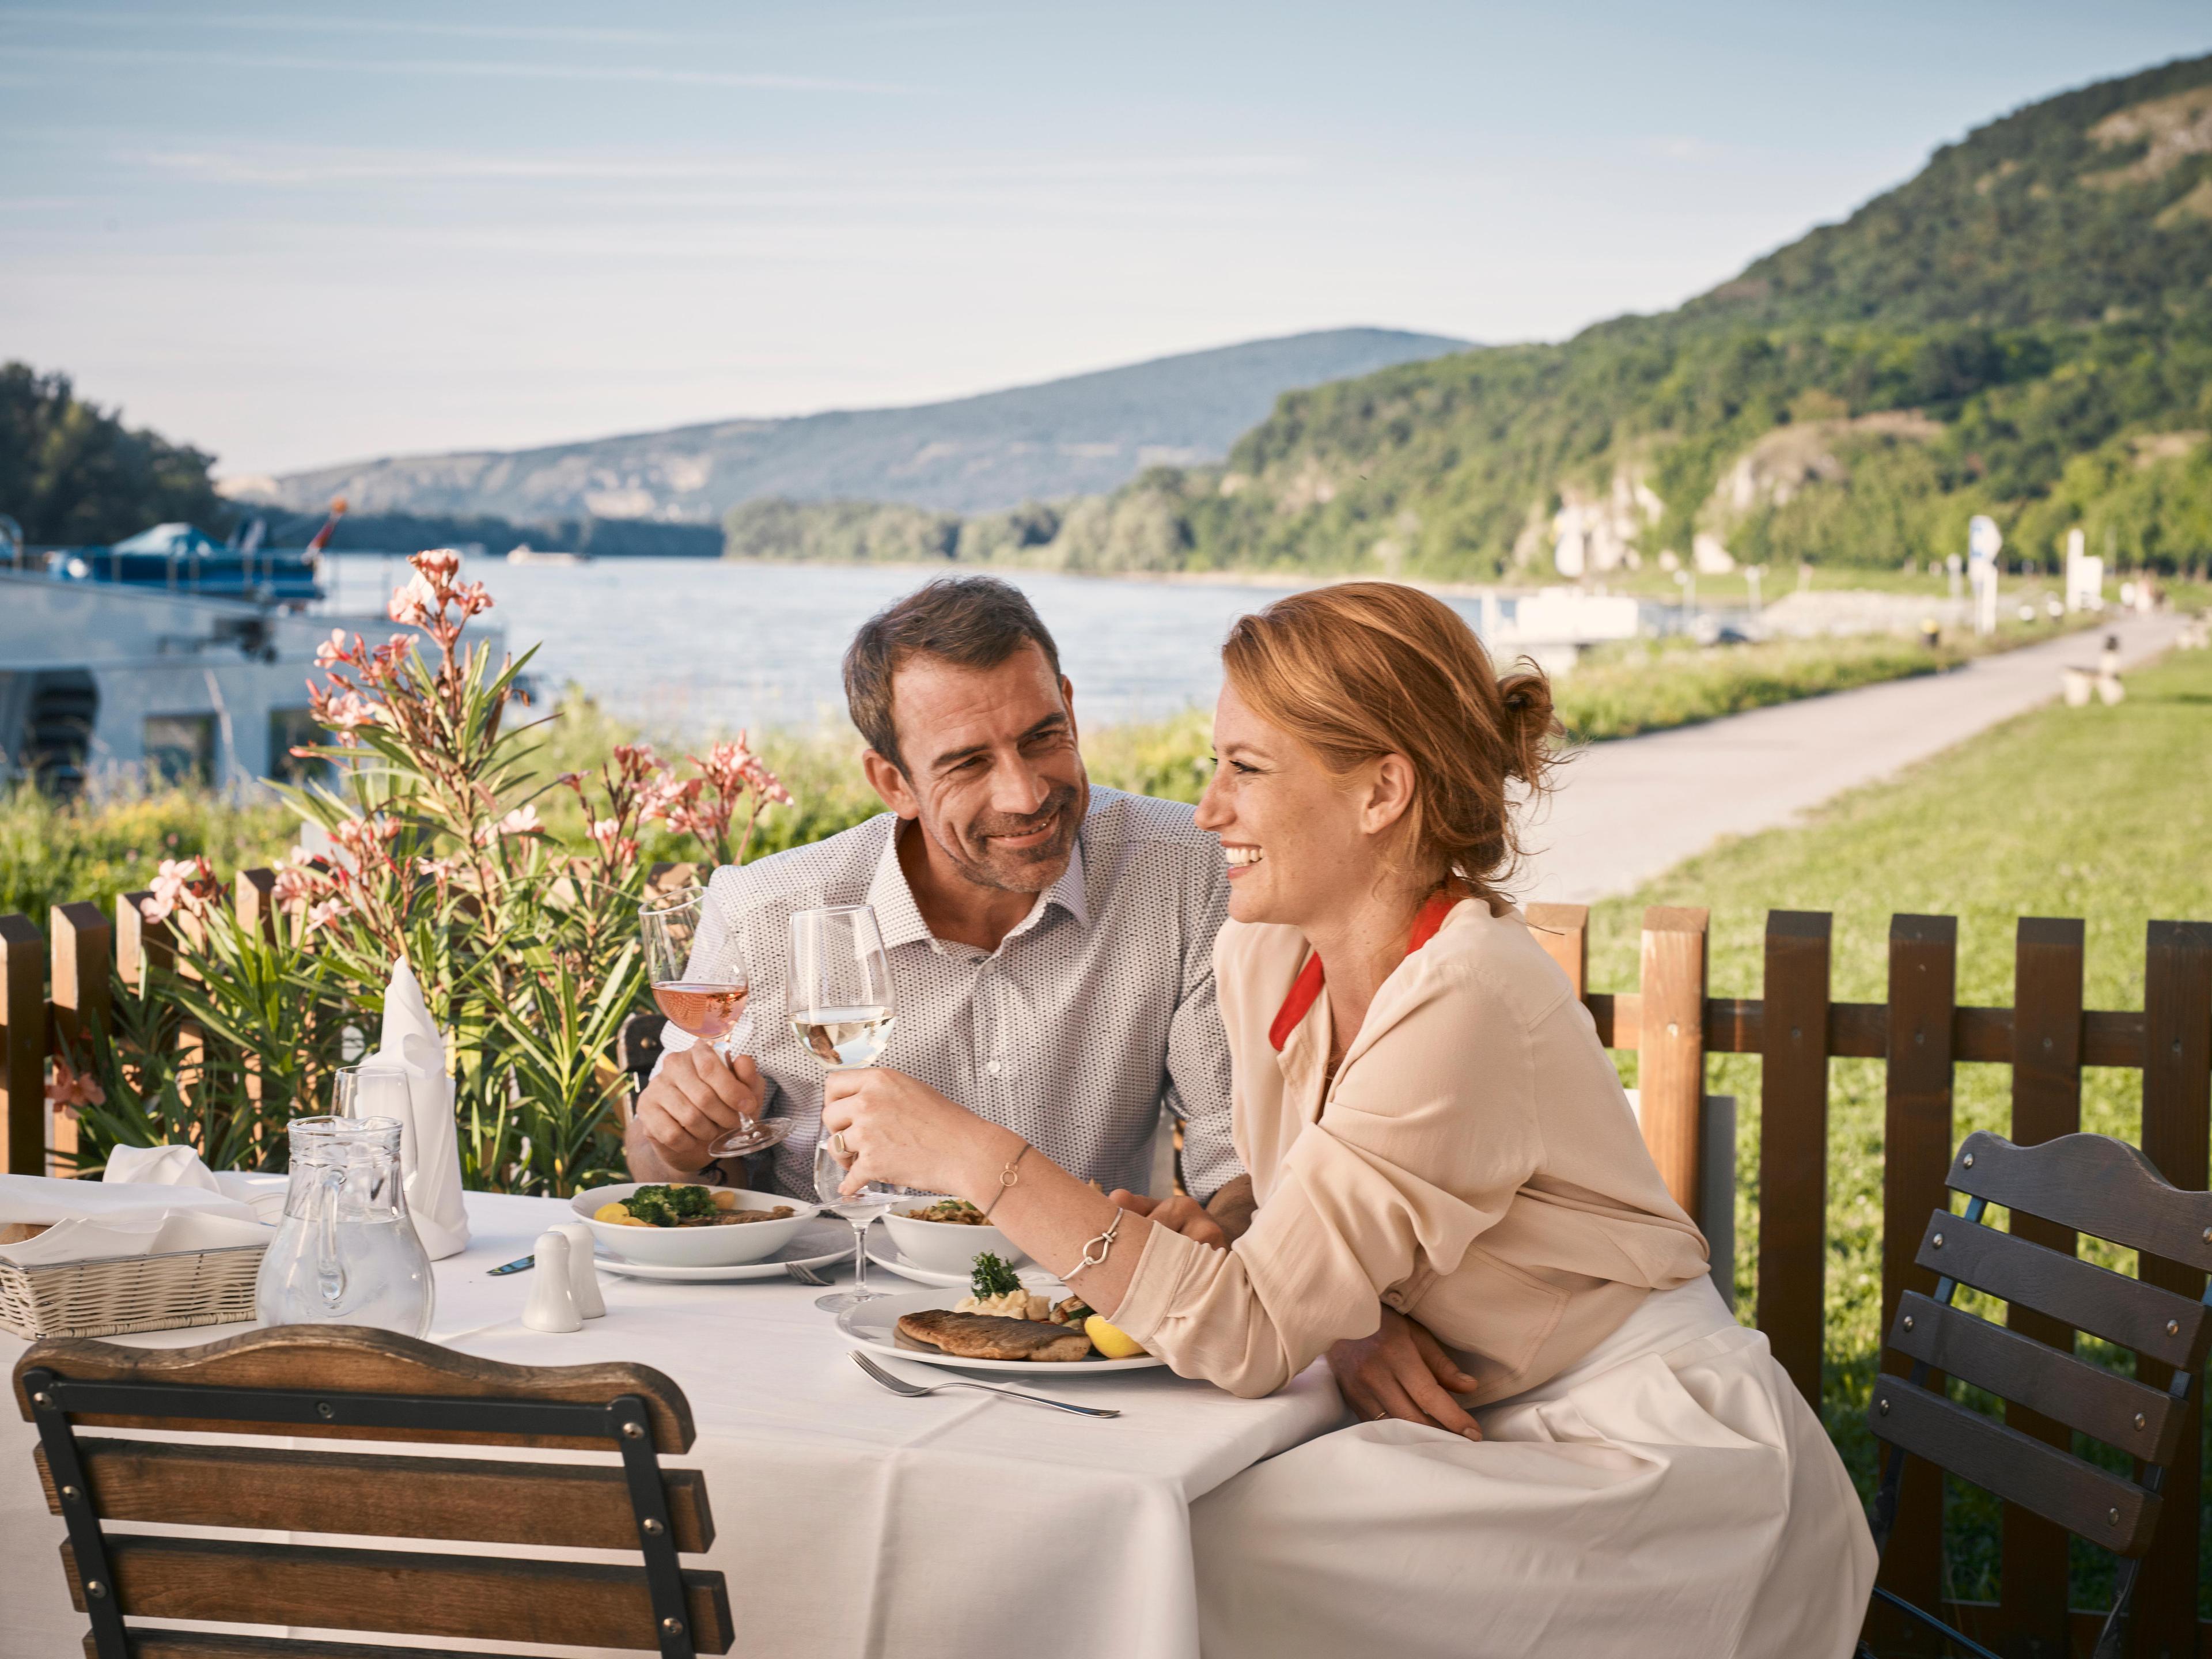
x=2024, y=328
x=70, y=471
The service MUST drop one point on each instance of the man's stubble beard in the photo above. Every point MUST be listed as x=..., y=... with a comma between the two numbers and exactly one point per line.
x=1031, y=871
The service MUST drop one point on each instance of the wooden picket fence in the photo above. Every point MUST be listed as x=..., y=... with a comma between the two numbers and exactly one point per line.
x=50, y=987
x=1922, y=1033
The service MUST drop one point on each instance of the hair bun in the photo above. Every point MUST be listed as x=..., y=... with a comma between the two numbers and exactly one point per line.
x=1529, y=727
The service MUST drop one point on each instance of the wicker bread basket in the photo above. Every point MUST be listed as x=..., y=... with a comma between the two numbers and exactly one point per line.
x=130, y=1292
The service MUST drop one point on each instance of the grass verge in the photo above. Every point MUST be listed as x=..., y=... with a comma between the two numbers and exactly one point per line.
x=2104, y=813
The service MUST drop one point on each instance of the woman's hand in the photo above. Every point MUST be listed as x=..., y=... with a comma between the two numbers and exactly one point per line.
x=899, y=1130
x=1402, y=1371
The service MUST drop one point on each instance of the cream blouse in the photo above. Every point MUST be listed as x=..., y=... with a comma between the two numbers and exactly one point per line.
x=1474, y=1164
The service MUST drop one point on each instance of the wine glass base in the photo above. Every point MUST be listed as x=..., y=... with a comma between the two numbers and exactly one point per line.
x=762, y=1134
x=838, y=1301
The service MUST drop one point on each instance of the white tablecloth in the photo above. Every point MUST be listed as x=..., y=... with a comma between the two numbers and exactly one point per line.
x=849, y=1521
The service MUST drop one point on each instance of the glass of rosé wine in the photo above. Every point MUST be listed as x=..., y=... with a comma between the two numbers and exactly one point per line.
x=701, y=987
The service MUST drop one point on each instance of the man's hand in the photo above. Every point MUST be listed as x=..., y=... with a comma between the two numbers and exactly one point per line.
x=1234, y=1206
x=1178, y=1214
x=1402, y=1371
x=694, y=1101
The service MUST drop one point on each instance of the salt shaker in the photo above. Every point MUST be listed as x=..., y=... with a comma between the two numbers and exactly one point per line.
x=552, y=1305
x=583, y=1277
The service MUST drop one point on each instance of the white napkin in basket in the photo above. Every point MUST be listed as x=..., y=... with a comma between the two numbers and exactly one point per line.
x=429, y=1147
x=93, y=1220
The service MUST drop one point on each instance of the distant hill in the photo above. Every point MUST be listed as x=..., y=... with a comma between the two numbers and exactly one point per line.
x=1082, y=435
x=2022, y=329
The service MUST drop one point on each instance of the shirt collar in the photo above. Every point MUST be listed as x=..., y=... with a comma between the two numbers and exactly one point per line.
x=900, y=918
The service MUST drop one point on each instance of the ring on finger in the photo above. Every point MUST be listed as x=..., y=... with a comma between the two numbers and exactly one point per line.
x=1378, y=1416
x=837, y=1144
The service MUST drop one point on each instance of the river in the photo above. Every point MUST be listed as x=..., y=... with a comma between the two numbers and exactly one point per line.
x=691, y=647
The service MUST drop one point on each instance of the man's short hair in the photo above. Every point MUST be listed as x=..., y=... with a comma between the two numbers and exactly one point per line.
x=976, y=621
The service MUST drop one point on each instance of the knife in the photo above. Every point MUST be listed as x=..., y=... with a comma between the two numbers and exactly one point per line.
x=520, y=1264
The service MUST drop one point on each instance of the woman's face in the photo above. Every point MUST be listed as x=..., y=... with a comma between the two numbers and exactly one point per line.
x=1301, y=845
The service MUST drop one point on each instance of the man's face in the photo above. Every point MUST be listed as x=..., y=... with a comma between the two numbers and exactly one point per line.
x=992, y=770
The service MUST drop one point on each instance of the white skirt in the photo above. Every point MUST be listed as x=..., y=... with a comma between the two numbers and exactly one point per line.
x=1670, y=1496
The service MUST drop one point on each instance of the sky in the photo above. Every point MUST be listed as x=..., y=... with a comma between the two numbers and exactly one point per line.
x=304, y=234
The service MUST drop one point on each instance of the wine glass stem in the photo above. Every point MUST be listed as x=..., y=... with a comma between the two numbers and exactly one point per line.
x=861, y=1258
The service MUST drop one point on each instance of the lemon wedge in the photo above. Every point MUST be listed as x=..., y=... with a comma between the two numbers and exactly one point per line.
x=611, y=1212
x=1114, y=1344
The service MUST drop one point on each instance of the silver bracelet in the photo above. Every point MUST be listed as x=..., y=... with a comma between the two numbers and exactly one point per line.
x=1103, y=1244
x=1008, y=1178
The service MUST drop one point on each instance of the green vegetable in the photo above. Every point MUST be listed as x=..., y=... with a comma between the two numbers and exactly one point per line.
x=664, y=1206
x=992, y=1277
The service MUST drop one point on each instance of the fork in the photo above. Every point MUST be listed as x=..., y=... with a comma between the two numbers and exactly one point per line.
x=803, y=1274
x=916, y=1391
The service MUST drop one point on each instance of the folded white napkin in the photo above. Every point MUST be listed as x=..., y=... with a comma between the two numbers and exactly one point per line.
x=429, y=1148
x=89, y=1220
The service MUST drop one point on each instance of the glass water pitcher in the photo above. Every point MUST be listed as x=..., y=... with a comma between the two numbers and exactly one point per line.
x=347, y=1254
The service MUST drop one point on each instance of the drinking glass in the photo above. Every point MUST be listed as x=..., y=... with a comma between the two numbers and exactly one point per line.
x=860, y=1210
x=346, y=1254
x=365, y=1091
x=705, y=998
x=842, y=1008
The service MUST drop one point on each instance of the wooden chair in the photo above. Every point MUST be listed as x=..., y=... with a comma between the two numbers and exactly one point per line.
x=2089, y=1184
x=365, y=1385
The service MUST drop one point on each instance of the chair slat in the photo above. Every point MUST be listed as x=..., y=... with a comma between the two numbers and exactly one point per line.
x=2143, y=1422
x=347, y=1359
x=144, y=1642
x=2156, y=1323
x=2093, y=1184
x=483, y=1597
x=1793, y=1144
x=2056, y=1485
x=580, y=1505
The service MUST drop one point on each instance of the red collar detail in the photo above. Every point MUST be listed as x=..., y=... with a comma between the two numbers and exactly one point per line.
x=1305, y=990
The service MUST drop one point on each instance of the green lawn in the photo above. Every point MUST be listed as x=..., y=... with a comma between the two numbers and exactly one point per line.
x=2101, y=813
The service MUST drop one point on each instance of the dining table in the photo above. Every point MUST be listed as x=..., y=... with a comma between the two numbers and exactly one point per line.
x=849, y=1520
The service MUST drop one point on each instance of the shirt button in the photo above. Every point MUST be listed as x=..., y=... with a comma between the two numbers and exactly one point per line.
x=993, y=1068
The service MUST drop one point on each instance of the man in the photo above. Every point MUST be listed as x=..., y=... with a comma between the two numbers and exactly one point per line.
x=1052, y=947
x=1051, y=944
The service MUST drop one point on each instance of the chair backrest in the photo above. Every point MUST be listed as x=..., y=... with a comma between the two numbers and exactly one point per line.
x=2090, y=1184
x=339, y=1382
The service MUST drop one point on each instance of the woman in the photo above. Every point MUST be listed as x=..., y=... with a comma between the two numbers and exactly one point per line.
x=1434, y=1133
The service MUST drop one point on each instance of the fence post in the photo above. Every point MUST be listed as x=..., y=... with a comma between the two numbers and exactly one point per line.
x=138, y=941
x=1793, y=1145
x=2046, y=1104
x=23, y=1039
x=1923, y=982
x=83, y=945
x=254, y=899
x=1671, y=1056
x=2177, y=1099
x=1563, y=932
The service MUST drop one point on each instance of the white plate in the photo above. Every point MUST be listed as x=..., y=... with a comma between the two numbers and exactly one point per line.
x=695, y=1247
x=883, y=1255
x=874, y=1325
x=818, y=1244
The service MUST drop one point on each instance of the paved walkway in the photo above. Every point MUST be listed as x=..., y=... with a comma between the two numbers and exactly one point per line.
x=1627, y=810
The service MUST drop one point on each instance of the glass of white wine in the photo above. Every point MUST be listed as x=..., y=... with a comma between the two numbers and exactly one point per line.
x=842, y=1009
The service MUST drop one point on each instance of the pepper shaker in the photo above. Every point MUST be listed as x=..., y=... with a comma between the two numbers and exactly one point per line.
x=552, y=1305
x=583, y=1277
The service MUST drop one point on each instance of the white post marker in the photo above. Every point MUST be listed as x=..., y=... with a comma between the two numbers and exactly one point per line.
x=1984, y=541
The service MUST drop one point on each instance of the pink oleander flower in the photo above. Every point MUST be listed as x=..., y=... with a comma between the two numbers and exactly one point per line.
x=413, y=605
x=71, y=1089
x=605, y=830
x=179, y=883
x=441, y=871
x=299, y=880
x=332, y=651
x=522, y=821
x=326, y=913
x=440, y=564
